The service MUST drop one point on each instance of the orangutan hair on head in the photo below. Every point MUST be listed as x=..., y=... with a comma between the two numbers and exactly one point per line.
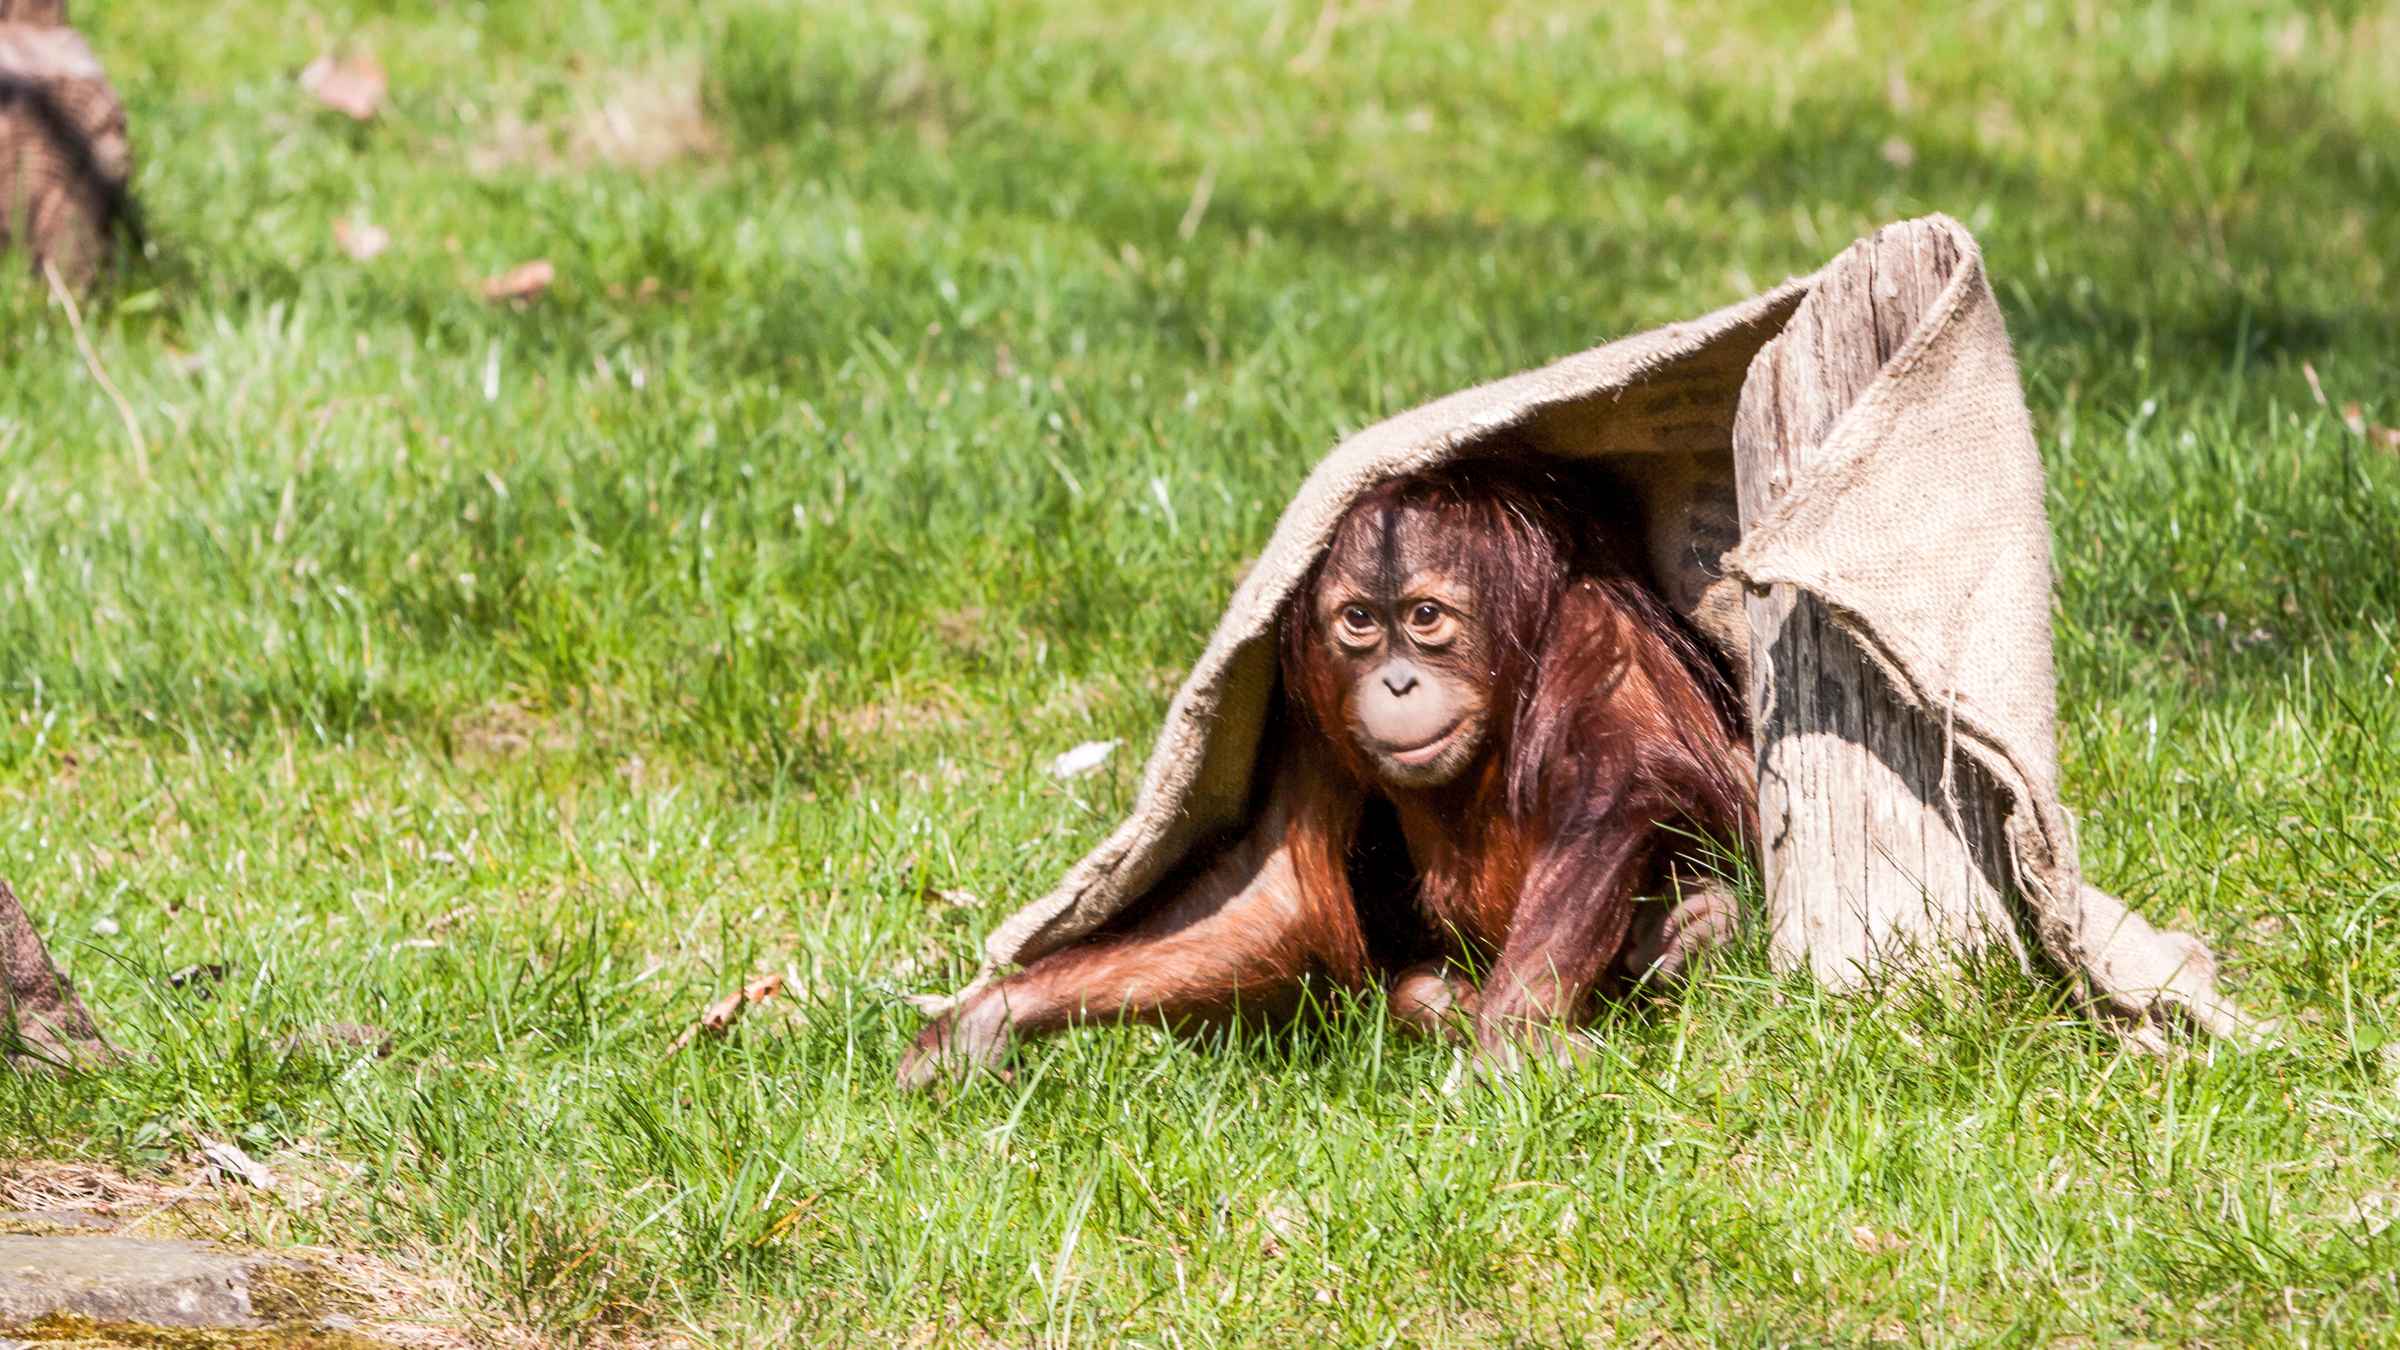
x=1493, y=743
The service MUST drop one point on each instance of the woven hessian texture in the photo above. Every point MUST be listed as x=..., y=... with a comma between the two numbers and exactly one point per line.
x=1919, y=523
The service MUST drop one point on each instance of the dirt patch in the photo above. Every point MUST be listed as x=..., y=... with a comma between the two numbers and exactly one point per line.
x=507, y=728
x=899, y=718
x=52, y=1189
x=67, y=1329
x=634, y=119
x=110, y=1278
x=965, y=630
x=56, y=1223
x=300, y=1296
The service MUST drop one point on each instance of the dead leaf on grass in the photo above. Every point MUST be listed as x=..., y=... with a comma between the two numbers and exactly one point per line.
x=360, y=238
x=228, y=1163
x=2373, y=433
x=521, y=282
x=1868, y=1240
x=717, y=1017
x=353, y=85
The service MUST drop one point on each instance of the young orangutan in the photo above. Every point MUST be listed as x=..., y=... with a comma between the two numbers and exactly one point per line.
x=1465, y=670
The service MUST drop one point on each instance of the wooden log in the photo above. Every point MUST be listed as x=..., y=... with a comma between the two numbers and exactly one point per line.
x=65, y=157
x=1882, y=851
x=42, y=1024
x=48, y=13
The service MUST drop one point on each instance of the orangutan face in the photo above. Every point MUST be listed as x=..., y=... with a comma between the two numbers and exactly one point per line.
x=1400, y=625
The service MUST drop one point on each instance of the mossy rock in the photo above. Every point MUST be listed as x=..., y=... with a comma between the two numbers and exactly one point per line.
x=110, y=1290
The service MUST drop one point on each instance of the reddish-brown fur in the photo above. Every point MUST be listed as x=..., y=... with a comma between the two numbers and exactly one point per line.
x=1608, y=732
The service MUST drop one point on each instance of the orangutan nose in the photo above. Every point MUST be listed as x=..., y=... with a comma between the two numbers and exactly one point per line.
x=1400, y=681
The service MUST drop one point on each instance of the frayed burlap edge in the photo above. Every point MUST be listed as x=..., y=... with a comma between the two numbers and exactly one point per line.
x=1938, y=448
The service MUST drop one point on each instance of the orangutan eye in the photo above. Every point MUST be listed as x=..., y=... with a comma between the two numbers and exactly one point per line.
x=1425, y=615
x=1358, y=618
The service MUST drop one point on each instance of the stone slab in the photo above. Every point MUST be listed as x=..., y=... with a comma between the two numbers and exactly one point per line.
x=45, y=1220
x=158, y=1281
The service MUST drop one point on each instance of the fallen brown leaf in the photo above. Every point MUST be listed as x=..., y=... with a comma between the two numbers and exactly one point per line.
x=1868, y=1240
x=353, y=85
x=722, y=1014
x=361, y=239
x=521, y=282
x=229, y=1163
x=2373, y=433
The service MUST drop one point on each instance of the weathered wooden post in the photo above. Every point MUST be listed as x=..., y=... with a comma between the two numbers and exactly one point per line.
x=65, y=157
x=42, y=1024
x=1883, y=850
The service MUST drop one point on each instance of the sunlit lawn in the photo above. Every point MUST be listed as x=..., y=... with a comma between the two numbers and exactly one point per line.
x=517, y=679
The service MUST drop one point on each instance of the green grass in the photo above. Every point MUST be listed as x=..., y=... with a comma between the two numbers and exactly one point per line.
x=520, y=679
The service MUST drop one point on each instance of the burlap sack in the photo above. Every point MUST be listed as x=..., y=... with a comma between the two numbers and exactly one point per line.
x=1920, y=523
x=65, y=159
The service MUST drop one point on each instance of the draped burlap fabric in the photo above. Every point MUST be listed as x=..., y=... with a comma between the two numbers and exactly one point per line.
x=1919, y=522
x=65, y=159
